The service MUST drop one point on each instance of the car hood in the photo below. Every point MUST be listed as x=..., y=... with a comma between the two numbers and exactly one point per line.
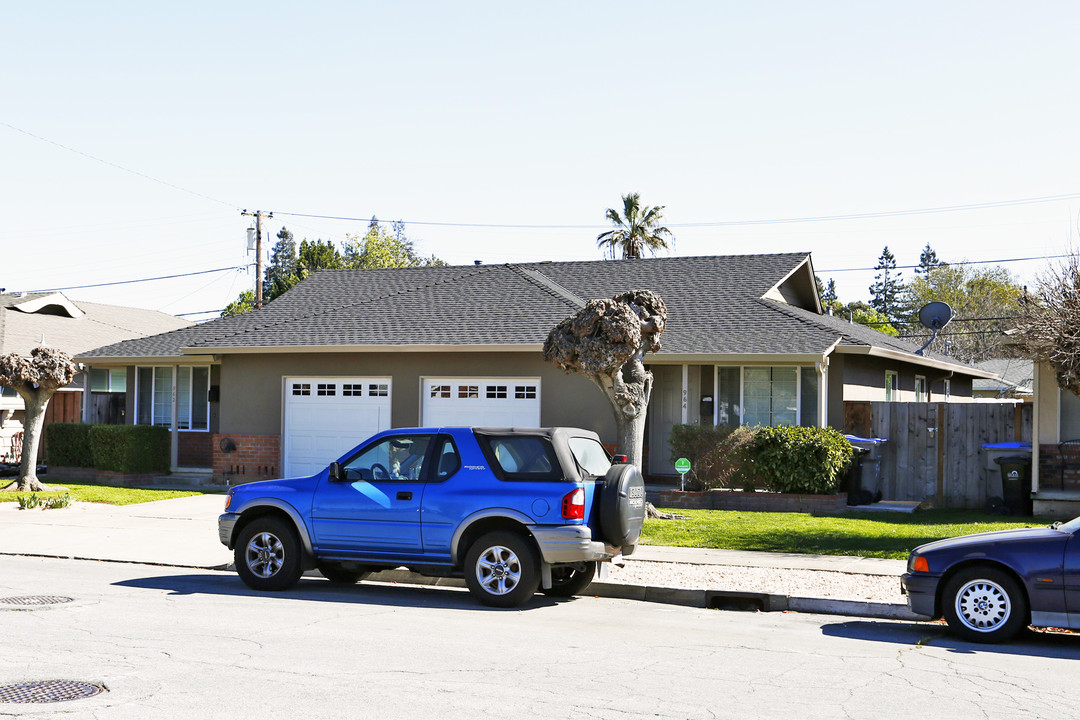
x=989, y=538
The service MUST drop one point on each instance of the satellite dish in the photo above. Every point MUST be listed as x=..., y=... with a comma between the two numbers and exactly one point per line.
x=933, y=316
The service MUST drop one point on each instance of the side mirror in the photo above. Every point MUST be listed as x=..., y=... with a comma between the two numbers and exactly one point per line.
x=336, y=473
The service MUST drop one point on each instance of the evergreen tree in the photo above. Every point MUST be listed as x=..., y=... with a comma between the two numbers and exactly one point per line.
x=928, y=260
x=827, y=294
x=887, y=292
x=281, y=274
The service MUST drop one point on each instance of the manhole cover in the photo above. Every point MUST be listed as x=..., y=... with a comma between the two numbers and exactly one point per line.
x=48, y=691
x=31, y=600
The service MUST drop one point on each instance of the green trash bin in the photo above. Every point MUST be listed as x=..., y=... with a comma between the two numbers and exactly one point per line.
x=1016, y=483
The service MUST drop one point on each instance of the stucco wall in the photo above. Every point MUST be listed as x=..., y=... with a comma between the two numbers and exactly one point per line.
x=251, y=385
x=864, y=379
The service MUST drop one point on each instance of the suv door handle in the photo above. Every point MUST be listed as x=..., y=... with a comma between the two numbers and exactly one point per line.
x=404, y=495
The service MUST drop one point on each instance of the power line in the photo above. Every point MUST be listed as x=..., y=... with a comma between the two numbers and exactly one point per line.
x=141, y=280
x=965, y=262
x=114, y=165
x=731, y=223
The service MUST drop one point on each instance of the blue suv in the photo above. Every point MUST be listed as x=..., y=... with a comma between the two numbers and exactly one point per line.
x=512, y=510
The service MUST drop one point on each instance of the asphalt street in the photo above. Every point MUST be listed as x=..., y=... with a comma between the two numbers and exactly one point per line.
x=191, y=643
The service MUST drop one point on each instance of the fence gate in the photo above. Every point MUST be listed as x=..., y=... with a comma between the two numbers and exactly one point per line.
x=934, y=450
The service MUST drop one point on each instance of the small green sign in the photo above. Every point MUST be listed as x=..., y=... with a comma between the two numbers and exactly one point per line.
x=682, y=465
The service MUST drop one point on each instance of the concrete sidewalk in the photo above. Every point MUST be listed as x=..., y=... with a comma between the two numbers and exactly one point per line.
x=183, y=533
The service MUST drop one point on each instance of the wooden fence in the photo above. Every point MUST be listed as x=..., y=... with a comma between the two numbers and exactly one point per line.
x=934, y=450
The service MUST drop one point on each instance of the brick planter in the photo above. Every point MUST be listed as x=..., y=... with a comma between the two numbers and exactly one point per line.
x=59, y=474
x=750, y=501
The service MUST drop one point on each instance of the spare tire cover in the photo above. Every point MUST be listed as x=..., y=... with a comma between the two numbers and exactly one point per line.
x=622, y=505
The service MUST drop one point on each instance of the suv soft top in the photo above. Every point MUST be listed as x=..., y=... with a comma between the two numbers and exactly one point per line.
x=557, y=436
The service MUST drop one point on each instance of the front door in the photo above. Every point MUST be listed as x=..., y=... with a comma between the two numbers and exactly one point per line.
x=375, y=510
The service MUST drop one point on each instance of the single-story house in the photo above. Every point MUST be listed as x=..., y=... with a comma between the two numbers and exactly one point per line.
x=1055, y=467
x=1014, y=380
x=32, y=319
x=345, y=353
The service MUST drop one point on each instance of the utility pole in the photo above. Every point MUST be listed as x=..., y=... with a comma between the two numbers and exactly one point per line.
x=258, y=215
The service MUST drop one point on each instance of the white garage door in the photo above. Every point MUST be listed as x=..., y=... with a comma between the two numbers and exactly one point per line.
x=484, y=402
x=325, y=417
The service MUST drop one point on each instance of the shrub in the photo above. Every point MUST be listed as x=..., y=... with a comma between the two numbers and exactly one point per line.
x=68, y=445
x=799, y=459
x=130, y=448
x=715, y=453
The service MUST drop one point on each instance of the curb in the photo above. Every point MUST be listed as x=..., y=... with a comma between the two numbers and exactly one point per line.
x=706, y=599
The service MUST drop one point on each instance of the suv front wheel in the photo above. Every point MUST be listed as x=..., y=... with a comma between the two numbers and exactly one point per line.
x=502, y=569
x=267, y=555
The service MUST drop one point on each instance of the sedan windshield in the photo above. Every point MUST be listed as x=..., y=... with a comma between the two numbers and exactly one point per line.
x=1069, y=527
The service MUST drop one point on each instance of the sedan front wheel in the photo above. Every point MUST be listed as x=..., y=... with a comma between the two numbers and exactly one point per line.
x=984, y=604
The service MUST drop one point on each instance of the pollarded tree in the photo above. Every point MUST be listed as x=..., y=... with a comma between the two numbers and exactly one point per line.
x=606, y=341
x=35, y=379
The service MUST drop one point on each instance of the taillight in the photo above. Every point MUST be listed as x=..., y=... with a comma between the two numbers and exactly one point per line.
x=573, y=505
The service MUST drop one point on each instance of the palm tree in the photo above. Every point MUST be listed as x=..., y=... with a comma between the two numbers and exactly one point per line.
x=636, y=229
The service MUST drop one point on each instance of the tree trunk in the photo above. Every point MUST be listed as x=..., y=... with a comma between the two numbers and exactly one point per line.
x=35, y=401
x=631, y=432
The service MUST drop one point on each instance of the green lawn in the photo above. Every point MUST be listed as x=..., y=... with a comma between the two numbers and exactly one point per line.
x=109, y=494
x=883, y=535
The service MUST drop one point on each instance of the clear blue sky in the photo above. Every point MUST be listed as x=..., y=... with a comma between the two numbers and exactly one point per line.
x=504, y=114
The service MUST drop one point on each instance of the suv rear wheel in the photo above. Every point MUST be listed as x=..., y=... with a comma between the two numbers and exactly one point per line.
x=502, y=569
x=569, y=580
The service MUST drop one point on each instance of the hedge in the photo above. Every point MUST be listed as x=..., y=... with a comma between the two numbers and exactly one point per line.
x=120, y=448
x=799, y=459
x=68, y=445
x=715, y=454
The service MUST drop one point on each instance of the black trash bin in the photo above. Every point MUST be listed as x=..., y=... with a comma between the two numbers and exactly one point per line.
x=853, y=479
x=1016, y=483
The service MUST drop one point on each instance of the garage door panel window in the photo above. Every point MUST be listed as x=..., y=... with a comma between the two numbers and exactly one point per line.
x=153, y=397
x=378, y=390
x=468, y=392
x=495, y=392
x=301, y=389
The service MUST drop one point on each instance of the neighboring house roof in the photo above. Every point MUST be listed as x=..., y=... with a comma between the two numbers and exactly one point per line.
x=1014, y=376
x=27, y=321
x=717, y=305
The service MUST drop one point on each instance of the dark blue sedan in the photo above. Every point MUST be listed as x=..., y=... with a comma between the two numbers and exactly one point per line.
x=990, y=586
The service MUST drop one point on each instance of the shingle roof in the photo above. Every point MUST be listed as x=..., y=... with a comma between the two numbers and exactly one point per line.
x=1014, y=374
x=21, y=331
x=715, y=306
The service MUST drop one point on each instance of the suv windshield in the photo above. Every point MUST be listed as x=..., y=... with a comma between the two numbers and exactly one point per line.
x=590, y=455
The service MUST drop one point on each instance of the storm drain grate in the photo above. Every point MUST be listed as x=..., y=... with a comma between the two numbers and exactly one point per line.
x=31, y=600
x=49, y=691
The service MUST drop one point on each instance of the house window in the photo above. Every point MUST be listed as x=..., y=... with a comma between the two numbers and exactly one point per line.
x=779, y=395
x=770, y=396
x=6, y=391
x=892, y=389
x=153, y=397
x=379, y=390
x=351, y=390
x=326, y=389
x=108, y=380
x=496, y=391
x=302, y=389
x=920, y=389
x=468, y=391
x=440, y=391
x=524, y=392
